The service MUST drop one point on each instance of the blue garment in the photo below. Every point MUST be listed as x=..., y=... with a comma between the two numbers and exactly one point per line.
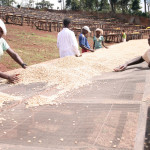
x=83, y=41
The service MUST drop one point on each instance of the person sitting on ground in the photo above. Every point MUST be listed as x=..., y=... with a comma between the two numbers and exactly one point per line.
x=140, y=59
x=83, y=40
x=124, y=36
x=98, y=39
x=67, y=42
x=5, y=47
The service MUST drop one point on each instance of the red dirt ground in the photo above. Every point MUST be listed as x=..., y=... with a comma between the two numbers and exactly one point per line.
x=23, y=39
x=34, y=46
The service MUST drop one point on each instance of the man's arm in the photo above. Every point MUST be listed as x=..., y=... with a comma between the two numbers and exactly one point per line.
x=75, y=46
x=104, y=44
x=134, y=61
x=16, y=57
x=11, y=79
x=86, y=48
x=93, y=44
x=4, y=76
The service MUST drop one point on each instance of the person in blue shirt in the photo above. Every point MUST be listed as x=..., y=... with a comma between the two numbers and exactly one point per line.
x=83, y=40
x=98, y=39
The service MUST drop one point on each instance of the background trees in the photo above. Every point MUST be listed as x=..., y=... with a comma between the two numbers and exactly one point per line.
x=115, y=6
x=31, y=3
x=7, y=2
x=44, y=4
x=135, y=6
x=124, y=5
x=145, y=5
x=73, y=4
x=104, y=5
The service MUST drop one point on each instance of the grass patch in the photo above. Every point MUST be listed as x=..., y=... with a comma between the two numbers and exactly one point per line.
x=33, y=47
x=34, y=38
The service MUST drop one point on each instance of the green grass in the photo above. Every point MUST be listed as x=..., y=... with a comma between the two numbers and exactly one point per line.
x=48, y=38
x=32, y=47
x=37, y=38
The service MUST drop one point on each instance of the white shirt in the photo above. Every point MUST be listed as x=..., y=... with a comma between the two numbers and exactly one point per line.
x=67, y=43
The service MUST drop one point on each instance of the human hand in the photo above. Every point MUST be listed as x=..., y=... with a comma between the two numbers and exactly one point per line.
x=92, y=50
x=24, y=66
x=13, y=78
x=78, y=55
x=120, y=68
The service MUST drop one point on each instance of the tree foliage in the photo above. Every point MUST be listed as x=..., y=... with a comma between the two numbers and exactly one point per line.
x=44, y=4
x=73, y=4
x=124, y=6
x=30, y=4
x=113, y=4
x=104, y=5
x=135, y=6
x=7, y=2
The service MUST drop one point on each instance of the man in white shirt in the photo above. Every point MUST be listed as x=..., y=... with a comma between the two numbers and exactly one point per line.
x=67, y=42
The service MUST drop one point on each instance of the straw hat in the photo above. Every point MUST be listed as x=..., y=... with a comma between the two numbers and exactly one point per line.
x=2, y=25
x=100, y=30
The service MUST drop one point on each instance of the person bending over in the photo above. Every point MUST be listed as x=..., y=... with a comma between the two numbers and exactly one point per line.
x=5, y=47
x=137, y=60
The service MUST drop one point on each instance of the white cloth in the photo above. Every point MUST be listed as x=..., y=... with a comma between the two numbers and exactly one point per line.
x=146, y=56
x=2, y=25
x=67, y=43
x=123, y=40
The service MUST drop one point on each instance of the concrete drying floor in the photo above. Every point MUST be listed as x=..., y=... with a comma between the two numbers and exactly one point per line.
x=108, y=114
